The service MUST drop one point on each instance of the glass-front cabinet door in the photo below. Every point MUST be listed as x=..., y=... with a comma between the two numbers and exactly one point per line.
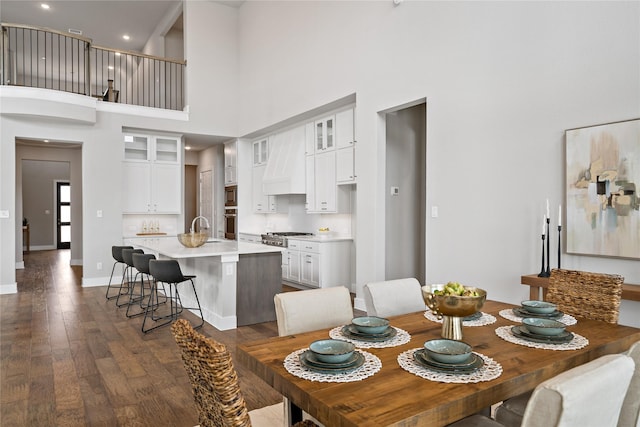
x=260, y=151
x=136, y=147
x=325, y=134
x=167, y=149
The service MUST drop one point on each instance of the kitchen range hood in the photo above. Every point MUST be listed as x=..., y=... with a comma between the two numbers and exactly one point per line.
x=284, y=173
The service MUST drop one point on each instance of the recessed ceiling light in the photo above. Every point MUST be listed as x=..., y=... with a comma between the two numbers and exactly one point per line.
x=110, y=67
x=126, y=37
x=46, y=140
x=117, y=53
x=44, y=6
x=187, y=147
x=43, y=58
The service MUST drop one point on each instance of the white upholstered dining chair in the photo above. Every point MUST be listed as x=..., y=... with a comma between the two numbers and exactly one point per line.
x=587, y=395
x=393, y=297
x=630, y=412
x=309, y=310
x=313, y=309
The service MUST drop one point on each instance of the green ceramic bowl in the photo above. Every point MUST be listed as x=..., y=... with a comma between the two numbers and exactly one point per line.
x=332, y=351
x=448, y=351
x=539, y=307
x=546, y=327
x=370, y=324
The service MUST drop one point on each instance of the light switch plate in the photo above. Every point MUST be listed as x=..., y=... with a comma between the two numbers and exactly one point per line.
x=434, y=212
x=4, y=214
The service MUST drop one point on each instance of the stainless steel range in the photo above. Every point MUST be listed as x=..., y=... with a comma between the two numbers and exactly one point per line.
x=279, y=238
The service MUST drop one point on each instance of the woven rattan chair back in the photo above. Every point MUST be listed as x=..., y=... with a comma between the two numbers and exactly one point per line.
x=213, y=378
x=594, y=296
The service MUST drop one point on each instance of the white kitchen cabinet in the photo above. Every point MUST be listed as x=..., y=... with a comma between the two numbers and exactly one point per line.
x=325, y=182
x=260, y=151
x=151, y=175
x=325, y=134
x=309, y=269
x=345, y=166
x=309, y=138
x=260, y=201
x=345, y=131
x=137, y=147
x=310, y=184
x=323, y=193
x=149, y=148
x=263, y=203
x=230, y=163
x=318, y=264
x=291, y=265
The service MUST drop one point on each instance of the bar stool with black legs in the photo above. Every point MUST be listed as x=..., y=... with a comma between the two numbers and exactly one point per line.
x=167, y=271
x=130, y=276
x=141, y=264
x=116, y=253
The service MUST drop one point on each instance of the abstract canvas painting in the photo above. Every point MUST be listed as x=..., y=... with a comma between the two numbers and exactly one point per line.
x=602, y=183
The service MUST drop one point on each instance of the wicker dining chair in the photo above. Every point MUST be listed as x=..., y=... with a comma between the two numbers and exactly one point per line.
x=215, y=382
x=593, y=296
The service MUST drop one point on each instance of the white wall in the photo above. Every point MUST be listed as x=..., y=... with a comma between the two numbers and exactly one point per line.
x=503, y=80
x=210, y=37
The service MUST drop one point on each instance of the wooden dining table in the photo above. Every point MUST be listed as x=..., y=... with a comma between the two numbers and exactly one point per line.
x=395, y=397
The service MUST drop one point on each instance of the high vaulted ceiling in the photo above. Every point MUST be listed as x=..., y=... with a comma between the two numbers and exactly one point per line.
x=104, y=22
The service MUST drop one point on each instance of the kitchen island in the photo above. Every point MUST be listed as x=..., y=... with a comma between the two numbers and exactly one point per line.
x=235, y=281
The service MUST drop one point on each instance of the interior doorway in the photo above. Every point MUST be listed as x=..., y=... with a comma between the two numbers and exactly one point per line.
x=39, y=166
x=206, y=199
x=405, y=203
x=190, y=192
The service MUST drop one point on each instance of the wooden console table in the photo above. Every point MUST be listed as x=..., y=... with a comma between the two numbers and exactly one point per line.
x=629, y=291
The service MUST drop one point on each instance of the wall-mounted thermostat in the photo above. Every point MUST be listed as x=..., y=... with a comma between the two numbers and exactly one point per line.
x=395, y=191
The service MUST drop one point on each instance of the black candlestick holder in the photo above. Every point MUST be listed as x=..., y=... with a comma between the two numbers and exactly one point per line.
x=559, y=245
x=542, y=273
x=548, y=271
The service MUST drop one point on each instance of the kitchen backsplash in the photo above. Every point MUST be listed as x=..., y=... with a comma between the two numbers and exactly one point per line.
x=134, y=224
x=297, y=219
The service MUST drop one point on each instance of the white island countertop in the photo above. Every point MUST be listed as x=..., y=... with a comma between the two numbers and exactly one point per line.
x=215, y=247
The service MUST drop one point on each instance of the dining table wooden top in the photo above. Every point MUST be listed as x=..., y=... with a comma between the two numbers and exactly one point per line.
x=395, y=397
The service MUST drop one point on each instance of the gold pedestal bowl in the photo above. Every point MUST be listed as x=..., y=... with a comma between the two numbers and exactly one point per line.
x=453, y=308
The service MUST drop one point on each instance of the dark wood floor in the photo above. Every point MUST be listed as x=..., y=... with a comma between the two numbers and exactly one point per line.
x=69, y=357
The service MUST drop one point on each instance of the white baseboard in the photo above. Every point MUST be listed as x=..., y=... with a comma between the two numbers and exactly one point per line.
x=19, y=265
x=75, y=262
x=9, y=289
x=95, y=281
x=43, y=247
x=358, y=304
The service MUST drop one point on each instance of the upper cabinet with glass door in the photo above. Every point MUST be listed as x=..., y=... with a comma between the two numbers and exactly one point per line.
x=325, y=134
x=146, y=148
x=167, y=149
x=136, y=147
x=260, y=151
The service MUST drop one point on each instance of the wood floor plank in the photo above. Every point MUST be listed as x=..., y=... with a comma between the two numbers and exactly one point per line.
x=69, y=357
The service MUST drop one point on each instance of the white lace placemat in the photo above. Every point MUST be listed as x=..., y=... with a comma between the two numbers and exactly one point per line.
x=485, y=319
x=576, y=343
x=489, y=371
x=372, y=365
x=508, y=314
x=401, y=337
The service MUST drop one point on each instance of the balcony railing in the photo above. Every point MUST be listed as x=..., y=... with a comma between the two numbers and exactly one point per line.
x=44, y=58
